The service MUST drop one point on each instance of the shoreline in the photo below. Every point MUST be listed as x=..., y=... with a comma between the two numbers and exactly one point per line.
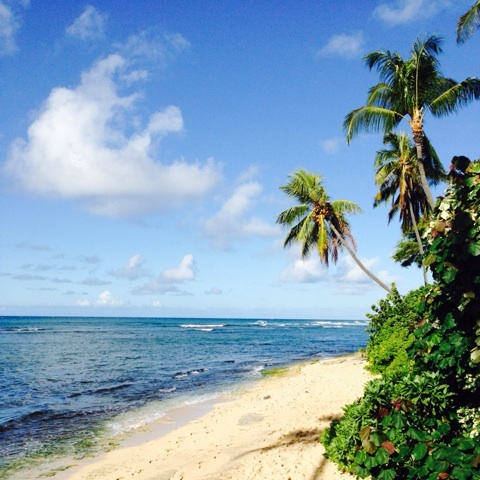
x=262, y=430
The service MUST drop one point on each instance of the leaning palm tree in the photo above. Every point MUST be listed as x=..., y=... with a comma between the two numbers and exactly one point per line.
x=397, y=175
x=317, y=222
x=408, y=90
x=468, y=23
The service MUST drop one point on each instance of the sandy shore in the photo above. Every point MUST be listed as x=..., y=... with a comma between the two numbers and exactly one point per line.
x=268, y=432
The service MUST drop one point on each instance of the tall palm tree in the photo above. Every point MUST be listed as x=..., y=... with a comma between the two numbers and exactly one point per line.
x=319, y=222
x=397, y=175
x=408, y=90
x=468, y=23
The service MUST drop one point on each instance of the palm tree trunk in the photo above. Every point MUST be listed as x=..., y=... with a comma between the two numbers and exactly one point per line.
x=356, y=259
x=419, y=241
x=418, y=139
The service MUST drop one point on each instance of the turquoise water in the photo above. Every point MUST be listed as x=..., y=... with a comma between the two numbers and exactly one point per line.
x=69, y=386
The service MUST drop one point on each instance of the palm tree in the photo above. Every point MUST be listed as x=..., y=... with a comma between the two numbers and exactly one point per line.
x=397, y=175
x=408, y=90
x=319, y=222
x=468, y=23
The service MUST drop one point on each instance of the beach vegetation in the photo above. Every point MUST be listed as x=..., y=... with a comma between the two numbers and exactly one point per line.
x=424, y=423
x=408, y=90
x=391, y=325
x=319, y=223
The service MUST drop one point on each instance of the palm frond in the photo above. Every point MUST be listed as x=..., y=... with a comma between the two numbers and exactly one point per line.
x=427, y=47
x=455, y=95
x=380, y=95
x=323, y=240
x=341, y=207
x=292, y=215
x=434, y=169
x=304, y=186
x=468, y=23
x=370, y=118
x=307, y=235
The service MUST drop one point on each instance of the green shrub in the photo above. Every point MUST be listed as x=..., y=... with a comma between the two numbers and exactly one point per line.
x=424, y=423
x=390, y=331
x=341, y=440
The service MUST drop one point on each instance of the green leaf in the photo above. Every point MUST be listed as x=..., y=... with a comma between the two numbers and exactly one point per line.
x=401, y=453
x=474, y=249
x=422, y=472
x=371, y=462
x=419, y=451
x=417, y=435
x=466, y=444
x=449, y=274
x=444, y=428
x=360, y=457
x=429, y=259
x=462, y=473
x=361, y=472
x=398, y=420
x=388, y=474
x=382, y=457
x=430, y=463
x=378, y=438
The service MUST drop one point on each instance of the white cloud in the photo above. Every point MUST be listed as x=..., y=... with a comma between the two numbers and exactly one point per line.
x=184, y=271
x=105, y=299
x=352, y=280
x=307, y=270
x=347, y=46
x=331, y=145
x=89, y=25
x=403, y=11
x=132, y=270
x=346, y=274
x=77, y=148
x=153, y=45
x=9, y=26
x=167, y=281
x=232, y=221
x=248, y=175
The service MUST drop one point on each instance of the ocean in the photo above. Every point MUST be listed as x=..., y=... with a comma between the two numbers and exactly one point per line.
x=73, y=387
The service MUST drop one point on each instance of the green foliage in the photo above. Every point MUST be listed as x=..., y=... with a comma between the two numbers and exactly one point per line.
x=424, y=423
x=390, y=328
x=407, y=251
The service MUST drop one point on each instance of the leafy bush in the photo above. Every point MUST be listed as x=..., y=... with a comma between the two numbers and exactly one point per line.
x=424, y=424
x=390, y=328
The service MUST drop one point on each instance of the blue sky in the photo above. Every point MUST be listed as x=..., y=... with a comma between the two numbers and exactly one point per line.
x=142, y=145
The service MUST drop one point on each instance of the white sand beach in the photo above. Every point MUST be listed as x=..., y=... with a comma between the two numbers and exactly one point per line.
x=269, y=431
